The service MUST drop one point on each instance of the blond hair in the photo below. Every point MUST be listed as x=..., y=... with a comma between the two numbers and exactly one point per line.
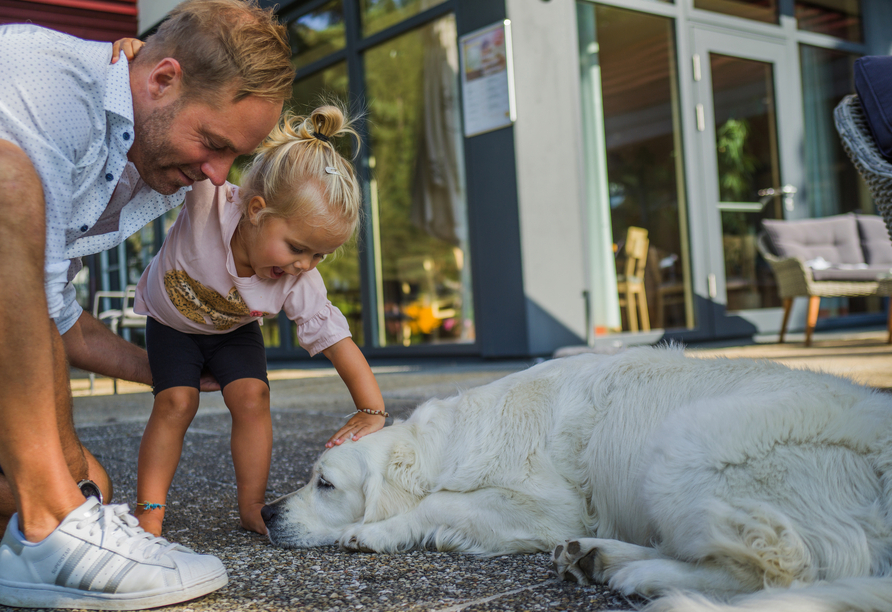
x=223, y=45
x=298, y=171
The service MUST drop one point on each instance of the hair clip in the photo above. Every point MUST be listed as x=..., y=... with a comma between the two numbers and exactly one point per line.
x=331, y=170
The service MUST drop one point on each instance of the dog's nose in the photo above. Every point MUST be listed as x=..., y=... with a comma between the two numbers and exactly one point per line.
x=268, y=513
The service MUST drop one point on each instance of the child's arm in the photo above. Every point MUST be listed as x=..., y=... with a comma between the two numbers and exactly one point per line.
x=354, y=370
x=130, y=47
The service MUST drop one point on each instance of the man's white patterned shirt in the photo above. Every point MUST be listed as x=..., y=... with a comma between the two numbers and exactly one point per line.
x=71, y=111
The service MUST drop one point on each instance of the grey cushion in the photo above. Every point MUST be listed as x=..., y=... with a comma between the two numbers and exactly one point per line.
x=870, y=273
x=875, y=241
x=833, y=238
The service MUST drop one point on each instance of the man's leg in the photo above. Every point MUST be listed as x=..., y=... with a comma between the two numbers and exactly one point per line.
x=81, y=462
x=41, y=456
x=31, y=453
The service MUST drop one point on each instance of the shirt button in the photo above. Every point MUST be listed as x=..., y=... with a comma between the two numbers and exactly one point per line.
x=109, y=176
x=84, y=228
x=126, y=135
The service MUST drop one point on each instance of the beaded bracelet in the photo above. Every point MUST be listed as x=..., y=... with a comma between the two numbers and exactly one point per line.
x=372, y=412
x=151, y=506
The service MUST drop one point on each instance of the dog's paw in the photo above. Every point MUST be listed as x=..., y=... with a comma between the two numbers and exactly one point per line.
x=381, y=537
x=354, y=544
x=369, y=538
x=578, y=561
x=352, y=541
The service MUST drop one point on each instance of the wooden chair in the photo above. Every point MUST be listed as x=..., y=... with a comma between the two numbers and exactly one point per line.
x=630, y=284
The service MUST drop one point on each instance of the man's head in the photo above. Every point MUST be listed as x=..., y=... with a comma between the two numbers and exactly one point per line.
x=208, y=86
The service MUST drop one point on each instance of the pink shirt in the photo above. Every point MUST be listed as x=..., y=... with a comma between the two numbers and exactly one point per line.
x=192, y=286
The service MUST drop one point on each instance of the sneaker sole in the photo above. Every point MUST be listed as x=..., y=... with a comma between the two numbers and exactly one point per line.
x=52, y=596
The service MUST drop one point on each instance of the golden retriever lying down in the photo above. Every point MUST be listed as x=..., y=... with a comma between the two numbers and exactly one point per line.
x=761, y=487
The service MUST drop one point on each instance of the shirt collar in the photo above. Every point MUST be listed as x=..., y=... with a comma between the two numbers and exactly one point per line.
x=118, y=98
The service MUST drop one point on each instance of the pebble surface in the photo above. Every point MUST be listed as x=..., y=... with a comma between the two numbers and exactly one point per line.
x=202, y=511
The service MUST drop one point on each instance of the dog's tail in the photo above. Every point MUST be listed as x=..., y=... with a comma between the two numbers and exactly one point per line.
x=871, y=594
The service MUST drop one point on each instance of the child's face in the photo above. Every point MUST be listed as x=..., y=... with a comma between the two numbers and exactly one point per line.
x=290, y=246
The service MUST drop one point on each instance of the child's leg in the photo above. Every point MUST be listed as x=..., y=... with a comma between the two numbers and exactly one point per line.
x=160, y=449
x=252, y=443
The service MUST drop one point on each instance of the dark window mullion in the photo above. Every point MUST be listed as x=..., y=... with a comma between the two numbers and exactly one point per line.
x=321, y=64
x=411, y=23
x=357, y=94
x=297, y=9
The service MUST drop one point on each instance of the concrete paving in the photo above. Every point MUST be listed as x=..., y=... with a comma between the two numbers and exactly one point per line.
x=308, y=405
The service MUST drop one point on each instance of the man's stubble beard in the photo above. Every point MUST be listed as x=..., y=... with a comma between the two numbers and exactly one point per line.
x=153, y=136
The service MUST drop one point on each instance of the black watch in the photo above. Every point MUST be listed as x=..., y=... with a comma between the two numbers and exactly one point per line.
x=90, y=489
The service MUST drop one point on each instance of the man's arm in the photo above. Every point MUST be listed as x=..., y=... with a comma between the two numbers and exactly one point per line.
x=92, y=346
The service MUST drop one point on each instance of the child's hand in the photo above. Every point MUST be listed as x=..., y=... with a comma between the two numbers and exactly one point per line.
x=130, y=47
x=359, y=425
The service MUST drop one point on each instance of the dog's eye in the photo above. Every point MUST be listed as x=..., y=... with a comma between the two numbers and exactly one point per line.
x=324, y=484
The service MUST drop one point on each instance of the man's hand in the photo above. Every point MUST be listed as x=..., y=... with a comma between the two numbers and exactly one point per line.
x=91, y=346
x=130, y=47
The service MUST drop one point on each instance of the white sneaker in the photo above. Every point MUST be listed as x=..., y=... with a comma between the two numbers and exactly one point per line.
x=99, y=558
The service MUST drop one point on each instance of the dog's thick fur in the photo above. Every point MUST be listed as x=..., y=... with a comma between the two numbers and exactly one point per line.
x=677, y=476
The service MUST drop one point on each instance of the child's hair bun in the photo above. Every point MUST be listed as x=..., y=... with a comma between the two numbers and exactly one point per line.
x=298, y=167
x=328, y=121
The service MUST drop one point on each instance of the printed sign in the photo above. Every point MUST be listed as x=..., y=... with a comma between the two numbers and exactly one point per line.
x=487, y=79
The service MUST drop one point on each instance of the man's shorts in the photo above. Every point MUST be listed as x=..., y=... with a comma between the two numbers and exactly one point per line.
x=178, y=359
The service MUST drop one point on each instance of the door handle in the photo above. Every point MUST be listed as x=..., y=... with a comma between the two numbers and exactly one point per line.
x=787, y=191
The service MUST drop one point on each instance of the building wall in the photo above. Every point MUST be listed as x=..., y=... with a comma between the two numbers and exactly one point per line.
x=549, y=171
x=151, y=12
x=104, y=20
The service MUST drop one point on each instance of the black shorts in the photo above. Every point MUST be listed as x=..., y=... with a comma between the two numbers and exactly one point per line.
x=178, y=359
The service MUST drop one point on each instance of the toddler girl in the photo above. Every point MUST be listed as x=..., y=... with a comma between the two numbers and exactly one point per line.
x=233, y=256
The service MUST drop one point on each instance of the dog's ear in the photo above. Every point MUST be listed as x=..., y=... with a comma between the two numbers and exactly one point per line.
x=395, y=489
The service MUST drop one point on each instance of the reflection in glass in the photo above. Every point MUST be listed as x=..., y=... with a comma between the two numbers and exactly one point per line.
x=380, y=14
x=139, y=248
x=317, y=33
x=747, y=155
x=631, y=56
x=745, y=127
x=840, y=18
x=757, y=10
x=418, y=199
x=833, y=184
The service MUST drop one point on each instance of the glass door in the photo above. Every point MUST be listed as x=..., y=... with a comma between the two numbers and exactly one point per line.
x=747, y=137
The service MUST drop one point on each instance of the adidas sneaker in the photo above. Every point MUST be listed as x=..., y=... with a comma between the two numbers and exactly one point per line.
x=99, y=558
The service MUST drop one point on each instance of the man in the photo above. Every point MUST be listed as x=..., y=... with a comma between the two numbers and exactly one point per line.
x=89, y=152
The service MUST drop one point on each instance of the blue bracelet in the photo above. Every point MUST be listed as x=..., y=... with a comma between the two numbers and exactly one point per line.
x=151, y=506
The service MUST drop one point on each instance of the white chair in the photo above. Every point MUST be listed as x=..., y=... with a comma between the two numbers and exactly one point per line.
x=117, y=319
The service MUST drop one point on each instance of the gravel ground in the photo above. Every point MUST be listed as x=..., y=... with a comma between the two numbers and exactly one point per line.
x=306, y=411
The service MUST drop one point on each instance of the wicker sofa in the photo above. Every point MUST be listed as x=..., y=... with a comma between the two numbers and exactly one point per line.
x=840, y=256
x=864, y=123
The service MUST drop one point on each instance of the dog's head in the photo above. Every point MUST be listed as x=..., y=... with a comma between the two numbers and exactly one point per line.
x=364, y=481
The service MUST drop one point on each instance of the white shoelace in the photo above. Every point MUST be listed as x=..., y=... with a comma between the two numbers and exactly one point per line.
x=117, y=522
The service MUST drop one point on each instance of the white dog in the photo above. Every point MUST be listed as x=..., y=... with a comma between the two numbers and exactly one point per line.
x=678, y=476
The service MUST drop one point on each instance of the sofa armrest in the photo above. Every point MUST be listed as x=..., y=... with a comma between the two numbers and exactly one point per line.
x=793, y=277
